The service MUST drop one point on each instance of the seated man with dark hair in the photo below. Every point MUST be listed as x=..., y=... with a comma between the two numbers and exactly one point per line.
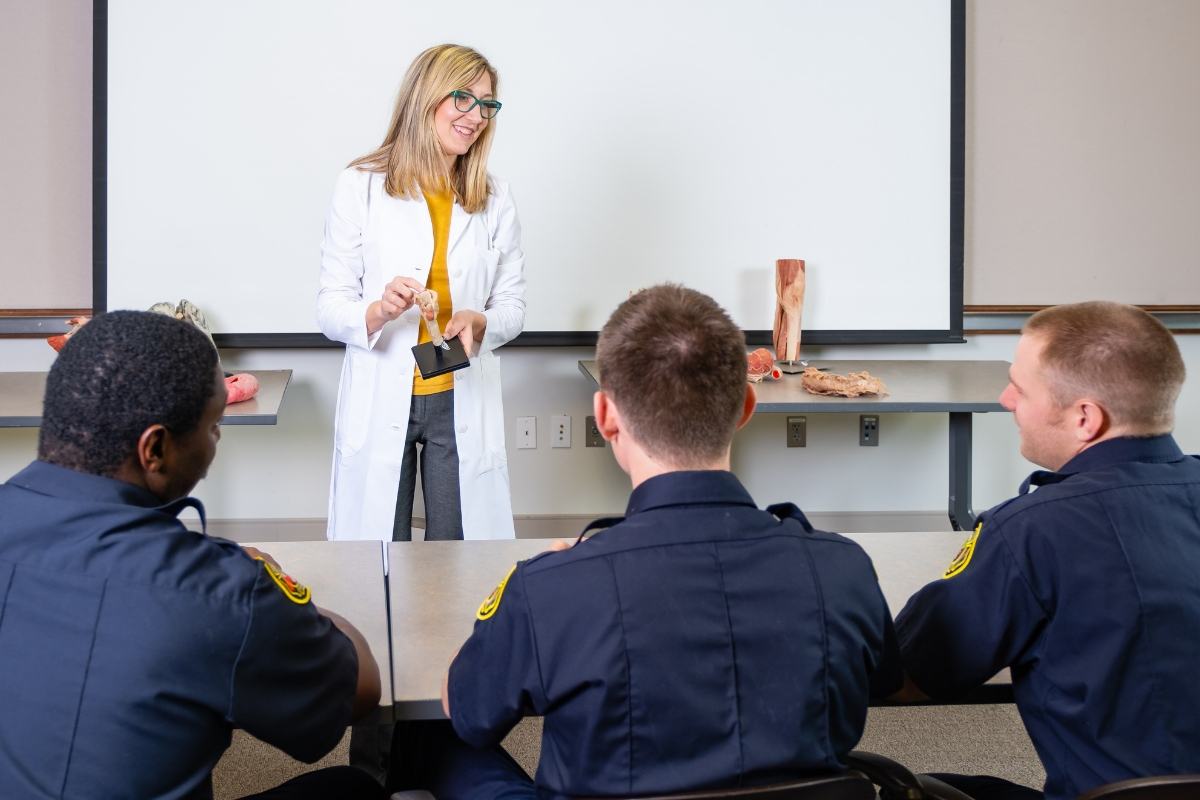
x=698, y=642
x=131, y=647
x=1089, y=587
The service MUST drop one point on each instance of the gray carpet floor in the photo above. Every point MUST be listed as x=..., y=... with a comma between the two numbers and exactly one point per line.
x=974, y=740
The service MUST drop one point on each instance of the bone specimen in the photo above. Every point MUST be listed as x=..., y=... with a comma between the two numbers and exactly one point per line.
x=760, y=364
x=185, y=311
x=789, y=295
x=427, y=301
x=852, y=385
x=76, y=323
x=240, y=387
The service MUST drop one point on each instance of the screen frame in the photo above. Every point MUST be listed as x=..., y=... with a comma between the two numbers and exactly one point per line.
x=953, y=335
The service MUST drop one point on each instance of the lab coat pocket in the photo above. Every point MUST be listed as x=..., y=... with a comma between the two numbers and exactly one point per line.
x=354, y=401
x=489, y=260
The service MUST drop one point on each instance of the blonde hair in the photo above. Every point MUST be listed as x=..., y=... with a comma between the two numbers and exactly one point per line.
x=411, y=155
x=1116, y=354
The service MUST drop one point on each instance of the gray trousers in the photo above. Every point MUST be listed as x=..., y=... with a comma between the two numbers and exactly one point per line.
x=430, y=424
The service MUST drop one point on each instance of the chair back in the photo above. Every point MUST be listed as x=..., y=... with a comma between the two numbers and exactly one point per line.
x=848, y=785
x=1165, y=787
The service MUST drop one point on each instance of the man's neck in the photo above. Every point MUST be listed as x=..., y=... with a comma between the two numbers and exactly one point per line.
x=642, y=467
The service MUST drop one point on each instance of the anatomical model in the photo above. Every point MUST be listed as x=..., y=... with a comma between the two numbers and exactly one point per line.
x=789, y=295
x=760, y=364
x=427, y=301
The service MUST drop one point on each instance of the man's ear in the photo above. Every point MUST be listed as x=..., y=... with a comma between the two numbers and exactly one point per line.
x=152, y=450
x=1090, y=419
x=748, y=405
x=608, y=420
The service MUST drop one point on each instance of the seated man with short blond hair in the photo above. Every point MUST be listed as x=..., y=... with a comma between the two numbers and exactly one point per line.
x=1089, y=587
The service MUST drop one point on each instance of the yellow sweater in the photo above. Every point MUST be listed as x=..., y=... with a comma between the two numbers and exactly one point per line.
x=440, y=209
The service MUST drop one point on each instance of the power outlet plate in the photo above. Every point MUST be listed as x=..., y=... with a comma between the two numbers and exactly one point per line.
x=797, y=431
x=868, y=430
x=591, y=434
x=560, y=431
x=526, y=433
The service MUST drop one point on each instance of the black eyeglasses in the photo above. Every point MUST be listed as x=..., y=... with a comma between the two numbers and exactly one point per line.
x=465, y=101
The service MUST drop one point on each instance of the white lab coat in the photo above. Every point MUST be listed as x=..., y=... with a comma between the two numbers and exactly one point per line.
x=370, y=238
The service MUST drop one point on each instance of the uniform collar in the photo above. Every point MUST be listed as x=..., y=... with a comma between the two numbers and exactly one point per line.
x=1154, y=449
x=689, y=488
x=55, y=481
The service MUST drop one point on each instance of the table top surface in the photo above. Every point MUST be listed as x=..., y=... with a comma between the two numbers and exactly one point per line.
x=21, y=396
x=970, y=386
x=436, y=588
x=347, y=579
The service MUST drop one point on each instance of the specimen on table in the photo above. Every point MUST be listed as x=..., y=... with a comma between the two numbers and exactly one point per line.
x=852, y=385
x=789, y=300
x=761, y=364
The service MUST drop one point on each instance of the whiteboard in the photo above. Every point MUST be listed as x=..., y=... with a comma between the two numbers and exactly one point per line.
x=644, y=141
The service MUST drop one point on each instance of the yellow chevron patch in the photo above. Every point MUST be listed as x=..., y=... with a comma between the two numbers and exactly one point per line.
x=493, y=600
x=964, y=555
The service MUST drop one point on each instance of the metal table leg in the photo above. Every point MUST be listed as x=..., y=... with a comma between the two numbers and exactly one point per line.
x=961, y=516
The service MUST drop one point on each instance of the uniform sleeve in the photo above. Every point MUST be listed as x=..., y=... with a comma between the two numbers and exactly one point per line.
x=505, y=306
x=888, y=675
x=958, y=632
x=295, y=679
x=495, y=675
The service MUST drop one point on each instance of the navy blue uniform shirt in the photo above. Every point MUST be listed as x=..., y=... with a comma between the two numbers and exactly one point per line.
x=130, y=647
x=1089, y=588
x=700, y=642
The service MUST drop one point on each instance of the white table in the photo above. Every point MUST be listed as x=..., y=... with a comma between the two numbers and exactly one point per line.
x=21, y=395
x=956, y=388
x=435, y=589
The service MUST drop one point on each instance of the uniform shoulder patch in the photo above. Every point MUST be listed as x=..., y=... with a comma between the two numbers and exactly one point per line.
x=493, y=600
x=296, y=591
x=964, y=555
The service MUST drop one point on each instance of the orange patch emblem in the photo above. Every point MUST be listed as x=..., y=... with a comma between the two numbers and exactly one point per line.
x=296, y=591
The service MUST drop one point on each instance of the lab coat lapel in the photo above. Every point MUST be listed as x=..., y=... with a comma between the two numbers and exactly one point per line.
x=460, y=220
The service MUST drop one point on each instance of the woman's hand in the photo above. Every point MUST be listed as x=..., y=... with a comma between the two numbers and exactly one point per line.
x=397, y=298
x=468, y=326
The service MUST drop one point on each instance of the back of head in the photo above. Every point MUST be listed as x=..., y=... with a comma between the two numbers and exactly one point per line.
x=120, y=374
x=674, y=364
x=1116, y=354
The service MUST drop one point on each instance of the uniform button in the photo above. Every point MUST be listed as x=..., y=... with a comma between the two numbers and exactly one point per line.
x=462, y=427
x=459, y=376
x=458, y=273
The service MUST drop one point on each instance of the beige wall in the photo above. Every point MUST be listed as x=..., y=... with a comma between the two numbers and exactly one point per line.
x=45, y=154
x=1083, y=151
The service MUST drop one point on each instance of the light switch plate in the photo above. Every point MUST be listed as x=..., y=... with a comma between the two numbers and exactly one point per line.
x=560, y=431
x=526, y=433
x=868, y=430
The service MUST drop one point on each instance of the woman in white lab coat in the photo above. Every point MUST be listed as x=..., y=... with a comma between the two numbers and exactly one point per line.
x=422, y=211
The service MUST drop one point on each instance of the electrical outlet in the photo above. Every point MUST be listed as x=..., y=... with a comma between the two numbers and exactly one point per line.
x=796, y=431
x=560, y=431
x=526, y=433
x=868, y=430
x=591, y=434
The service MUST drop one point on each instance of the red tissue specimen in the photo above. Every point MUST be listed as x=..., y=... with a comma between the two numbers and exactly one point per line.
x=760, y=364
x=240, y=387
